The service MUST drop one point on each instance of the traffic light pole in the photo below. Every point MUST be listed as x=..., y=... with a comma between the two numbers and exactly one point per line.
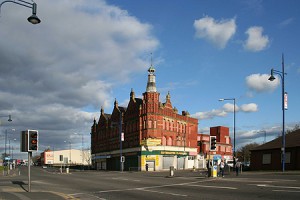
x=29, y=163
x=209, y=166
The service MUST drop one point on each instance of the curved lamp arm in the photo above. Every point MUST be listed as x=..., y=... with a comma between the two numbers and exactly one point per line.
x=33, y=18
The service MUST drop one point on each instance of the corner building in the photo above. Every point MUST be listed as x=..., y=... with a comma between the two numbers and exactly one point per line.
x=145, y=133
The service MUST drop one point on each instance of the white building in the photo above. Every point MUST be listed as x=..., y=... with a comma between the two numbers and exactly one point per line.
x=70, y=157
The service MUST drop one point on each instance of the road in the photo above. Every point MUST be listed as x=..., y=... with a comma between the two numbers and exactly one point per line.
x=50, y=184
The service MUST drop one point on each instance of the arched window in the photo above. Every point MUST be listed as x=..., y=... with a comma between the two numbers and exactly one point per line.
x=150, y=124
x=164, y=141
x=167, y=125
x=170, y=141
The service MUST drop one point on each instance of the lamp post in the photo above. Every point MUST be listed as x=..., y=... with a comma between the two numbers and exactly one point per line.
x=33, y=18
x=232, y=99
x=284, y=107
x=82, y=160
x=10, y=120
x=184, y=148
x=121, y=140
x=5, y=154
x=69, y=151
x=265, y=135
x=12, y=150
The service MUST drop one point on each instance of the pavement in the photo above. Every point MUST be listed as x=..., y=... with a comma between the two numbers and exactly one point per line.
x=12, y=189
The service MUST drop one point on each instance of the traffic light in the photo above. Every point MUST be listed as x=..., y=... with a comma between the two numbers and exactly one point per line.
x=213, y=143
x=33, y=140
x=24, y=141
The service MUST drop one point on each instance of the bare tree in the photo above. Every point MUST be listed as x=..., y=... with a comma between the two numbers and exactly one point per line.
x=244, y=152
x=297, y=127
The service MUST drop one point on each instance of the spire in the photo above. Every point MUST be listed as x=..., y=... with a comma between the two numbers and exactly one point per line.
x=132, y=96
x=116, y=103
x=168, y=97
x=101, y=110
x=151, y=86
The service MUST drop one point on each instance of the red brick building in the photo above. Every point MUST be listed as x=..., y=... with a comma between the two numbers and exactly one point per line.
x=152, y=134
x=268, y=156
x=224, y=145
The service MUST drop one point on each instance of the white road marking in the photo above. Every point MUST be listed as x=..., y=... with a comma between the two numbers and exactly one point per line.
x=213, y=186
x=143, y=188
x=174, y=194
x=285, y=191
x=277, y=186
x=125, y=179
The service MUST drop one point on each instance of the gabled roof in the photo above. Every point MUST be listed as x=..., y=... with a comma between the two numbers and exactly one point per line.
x=122, y=109
x=291, y=140
x=139, y=101
x=107, y=116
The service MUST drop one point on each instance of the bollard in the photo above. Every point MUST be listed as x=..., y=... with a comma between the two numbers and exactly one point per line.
x=171, y=171
x=67, y=170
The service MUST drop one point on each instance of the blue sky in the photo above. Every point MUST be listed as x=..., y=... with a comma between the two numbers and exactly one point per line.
x=198, y=70
x=56, y=75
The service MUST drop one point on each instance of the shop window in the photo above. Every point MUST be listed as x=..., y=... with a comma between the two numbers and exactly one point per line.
x=191, y=158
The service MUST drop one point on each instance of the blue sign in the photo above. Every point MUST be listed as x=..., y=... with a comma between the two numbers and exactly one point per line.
x=7, y=158
x=217, y=157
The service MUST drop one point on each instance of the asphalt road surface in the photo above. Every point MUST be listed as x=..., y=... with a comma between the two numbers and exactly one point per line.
x=50, y=184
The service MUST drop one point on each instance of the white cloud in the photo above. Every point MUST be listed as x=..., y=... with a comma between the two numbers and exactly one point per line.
x=251, y=107
x=217, y=32
x=51, y=73
x=260, y=82
x=209, y=114
x=227, y=108
x=286, y=22
x=256, y=41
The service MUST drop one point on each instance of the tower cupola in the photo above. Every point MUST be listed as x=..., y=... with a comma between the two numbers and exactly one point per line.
x=151, y=86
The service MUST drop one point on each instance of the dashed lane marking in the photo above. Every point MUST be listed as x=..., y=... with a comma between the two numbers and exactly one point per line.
x=168, y=193
x=213, y=186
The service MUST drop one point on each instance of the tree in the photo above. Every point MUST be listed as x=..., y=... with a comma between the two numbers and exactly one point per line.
x=297, y=127
x=243, y=154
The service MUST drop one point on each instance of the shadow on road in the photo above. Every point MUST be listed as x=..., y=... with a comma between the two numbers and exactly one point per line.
x=21, y=184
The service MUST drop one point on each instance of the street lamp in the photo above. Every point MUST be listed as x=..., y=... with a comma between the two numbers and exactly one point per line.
x=82, y=164
x=284, y=107
x=69, y=151
x=121, y=140
x=33, y=18
x=232, y=99
x=10, y=120
x=265, y=135
x=5, y=155
x=12, y=150
x=9, y=117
